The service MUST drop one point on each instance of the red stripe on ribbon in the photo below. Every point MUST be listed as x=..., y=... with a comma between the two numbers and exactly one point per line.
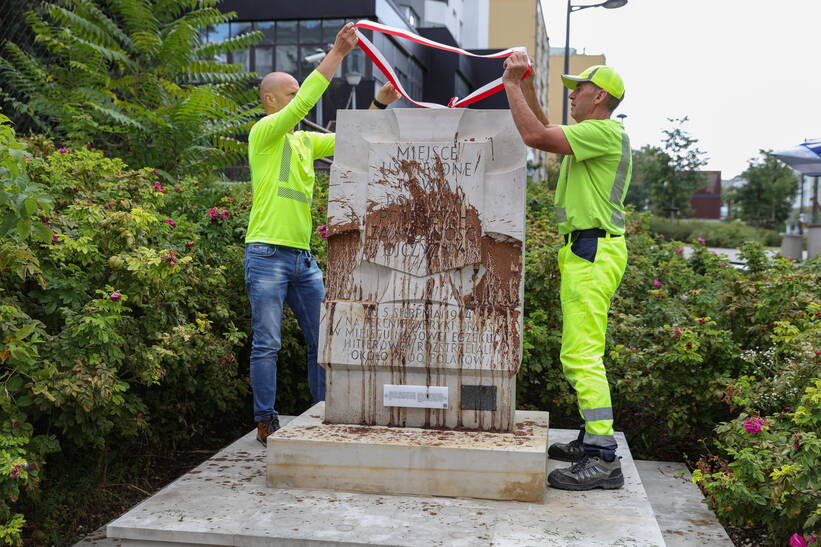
x=379, y=60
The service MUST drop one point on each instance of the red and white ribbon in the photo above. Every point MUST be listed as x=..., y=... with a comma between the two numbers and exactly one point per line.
x=379, y=60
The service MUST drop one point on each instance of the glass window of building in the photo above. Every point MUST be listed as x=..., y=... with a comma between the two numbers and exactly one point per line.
x=267, y=29
x=306, y=67
x=242, y=57
x=264, y=60
x=287, y=59
x=330, y=27
x=310, y=32
x=287, y=32
x=218, y=33
x=240, y=28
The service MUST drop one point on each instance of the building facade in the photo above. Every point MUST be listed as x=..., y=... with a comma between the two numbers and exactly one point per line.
x=706, y=201
x=521, y=23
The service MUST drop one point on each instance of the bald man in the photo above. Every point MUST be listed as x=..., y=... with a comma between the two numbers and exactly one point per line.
x=278, y=264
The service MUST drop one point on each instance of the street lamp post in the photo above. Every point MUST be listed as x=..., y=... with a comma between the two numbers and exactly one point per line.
x=354, y=74
x=609, y=4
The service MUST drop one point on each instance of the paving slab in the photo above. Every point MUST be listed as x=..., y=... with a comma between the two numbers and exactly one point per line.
x=225, y=501
x=678, y=504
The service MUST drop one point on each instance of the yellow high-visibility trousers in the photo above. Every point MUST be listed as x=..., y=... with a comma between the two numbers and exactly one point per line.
x=591, y=270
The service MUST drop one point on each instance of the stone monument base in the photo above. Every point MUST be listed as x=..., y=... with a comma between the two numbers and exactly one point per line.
x=308, y=453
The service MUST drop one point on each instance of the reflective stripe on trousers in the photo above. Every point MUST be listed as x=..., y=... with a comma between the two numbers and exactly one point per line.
x=591, y=270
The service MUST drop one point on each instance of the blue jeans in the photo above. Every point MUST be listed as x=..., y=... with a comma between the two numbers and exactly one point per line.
x=274, y=275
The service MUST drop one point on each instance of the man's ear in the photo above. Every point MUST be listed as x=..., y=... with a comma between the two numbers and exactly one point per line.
x=601, y=96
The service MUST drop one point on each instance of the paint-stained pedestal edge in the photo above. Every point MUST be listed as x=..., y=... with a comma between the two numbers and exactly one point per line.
x=308, y=453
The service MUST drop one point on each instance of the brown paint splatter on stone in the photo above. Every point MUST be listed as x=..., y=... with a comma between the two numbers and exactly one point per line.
x=434, y=216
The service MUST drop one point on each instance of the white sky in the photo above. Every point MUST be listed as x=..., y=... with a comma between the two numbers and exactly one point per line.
x=746, y=72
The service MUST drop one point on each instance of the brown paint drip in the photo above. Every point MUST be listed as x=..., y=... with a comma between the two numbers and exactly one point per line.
x=343, y=251
x=431, y=214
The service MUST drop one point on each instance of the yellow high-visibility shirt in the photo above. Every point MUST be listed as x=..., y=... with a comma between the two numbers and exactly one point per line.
x=282, y=170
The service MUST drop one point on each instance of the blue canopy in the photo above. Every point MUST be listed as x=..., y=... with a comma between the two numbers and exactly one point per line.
x=804, y=158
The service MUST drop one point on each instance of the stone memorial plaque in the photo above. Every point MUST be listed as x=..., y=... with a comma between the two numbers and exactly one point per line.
x=425, y=267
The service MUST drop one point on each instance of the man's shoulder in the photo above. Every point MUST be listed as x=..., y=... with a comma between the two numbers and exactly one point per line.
x=598, y=131
x=261, y=124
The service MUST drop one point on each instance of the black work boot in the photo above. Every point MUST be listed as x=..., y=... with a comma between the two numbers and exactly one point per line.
x=587, y=474
x=567, y=452
x=266, y=427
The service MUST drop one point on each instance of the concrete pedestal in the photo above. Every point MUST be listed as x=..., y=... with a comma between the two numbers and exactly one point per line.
x=792, y=246
x=308, y=453
x=814, y=241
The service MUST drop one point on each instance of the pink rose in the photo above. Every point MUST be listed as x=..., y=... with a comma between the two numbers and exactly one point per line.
x=62, y=150
x=754, y=424
x=115, y=297
x=657, y=283
x=797, y=540
x=676, y=332
x=700, y=239
x=323, y=231
x=680, y=251
x=170, y=222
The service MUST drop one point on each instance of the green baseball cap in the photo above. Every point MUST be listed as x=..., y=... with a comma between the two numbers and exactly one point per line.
x=601, y=75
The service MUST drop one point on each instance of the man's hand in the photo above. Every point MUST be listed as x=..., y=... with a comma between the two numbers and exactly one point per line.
x=515, y=67
x=528, y=80
x=345, y=39
x=387, y=94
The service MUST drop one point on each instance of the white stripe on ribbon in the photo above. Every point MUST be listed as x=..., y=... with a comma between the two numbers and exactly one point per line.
x=379, y=60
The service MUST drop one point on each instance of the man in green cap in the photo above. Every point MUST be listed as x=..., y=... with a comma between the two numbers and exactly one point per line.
x=593, y=181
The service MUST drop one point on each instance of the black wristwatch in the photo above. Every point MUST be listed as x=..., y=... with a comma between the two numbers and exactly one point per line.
x=380, y=106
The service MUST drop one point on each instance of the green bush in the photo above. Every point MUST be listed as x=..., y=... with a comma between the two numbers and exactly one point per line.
x=124, y=326
x=727, y=235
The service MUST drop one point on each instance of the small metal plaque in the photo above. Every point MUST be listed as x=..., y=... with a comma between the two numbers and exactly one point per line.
x=415, y=396
x=478, y=397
